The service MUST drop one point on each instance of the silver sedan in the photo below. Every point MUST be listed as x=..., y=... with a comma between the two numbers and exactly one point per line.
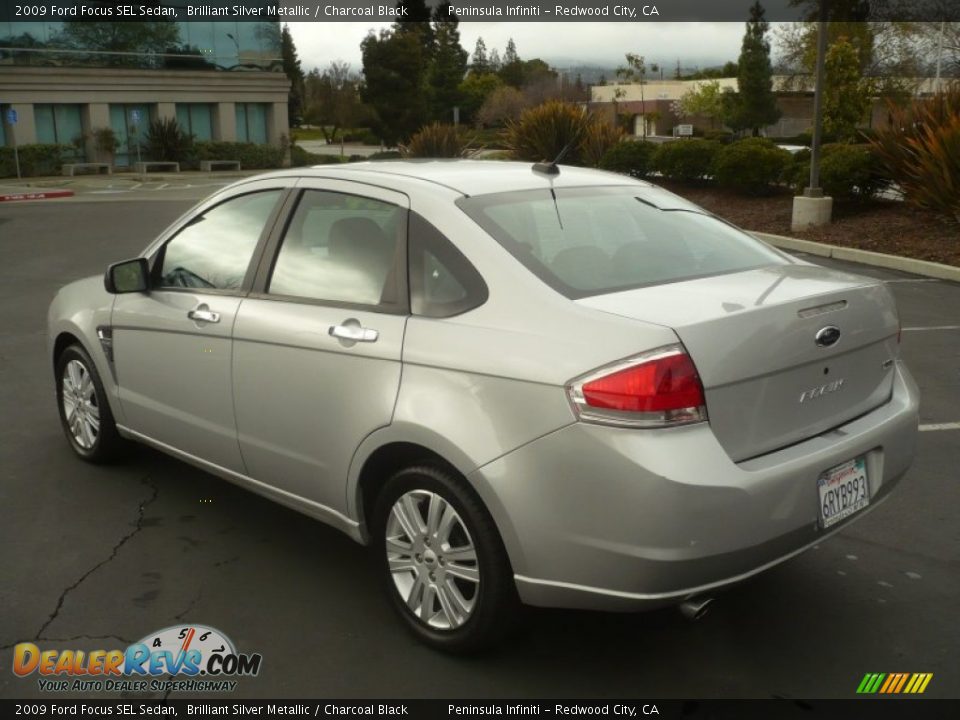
x=519, y=385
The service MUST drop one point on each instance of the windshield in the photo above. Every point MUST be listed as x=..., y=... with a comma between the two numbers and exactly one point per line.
x=591, y=241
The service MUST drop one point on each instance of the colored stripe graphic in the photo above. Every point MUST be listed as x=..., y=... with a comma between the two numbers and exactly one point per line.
x=894, y=683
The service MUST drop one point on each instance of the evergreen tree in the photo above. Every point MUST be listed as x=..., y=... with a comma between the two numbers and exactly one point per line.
x=448, y=66
x=416, y=20
x=479, y=63
x=754, y=105
x=510, y=54
x=846, y=93
x=394, y=71
x=495, y=62
x=512, y=71
x=294, y=72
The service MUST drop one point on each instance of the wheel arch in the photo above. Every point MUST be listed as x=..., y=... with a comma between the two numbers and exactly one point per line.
x=389, y=450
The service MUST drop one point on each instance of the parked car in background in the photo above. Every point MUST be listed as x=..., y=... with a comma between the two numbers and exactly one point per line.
x=540, y=385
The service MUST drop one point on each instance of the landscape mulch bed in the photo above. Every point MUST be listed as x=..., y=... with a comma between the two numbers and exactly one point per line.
x=885, y=226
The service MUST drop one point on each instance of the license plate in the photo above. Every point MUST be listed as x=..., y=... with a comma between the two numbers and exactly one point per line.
x=843, y=491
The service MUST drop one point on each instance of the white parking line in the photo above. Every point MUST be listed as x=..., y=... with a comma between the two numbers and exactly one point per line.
x=932, y=327
x=912, y=280
x=940, y=426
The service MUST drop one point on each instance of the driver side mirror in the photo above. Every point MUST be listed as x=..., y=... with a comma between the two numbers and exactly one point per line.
x=128, y=276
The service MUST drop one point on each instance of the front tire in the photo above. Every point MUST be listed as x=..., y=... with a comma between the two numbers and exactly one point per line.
x=442, y=562
x=84, y=410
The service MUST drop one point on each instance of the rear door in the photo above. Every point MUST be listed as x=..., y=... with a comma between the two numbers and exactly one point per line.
x=172, y=345
x=317, y=346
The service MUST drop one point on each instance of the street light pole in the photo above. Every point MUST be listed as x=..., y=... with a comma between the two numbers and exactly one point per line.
x=813, y=208
x=814, y=190
x=939, y=55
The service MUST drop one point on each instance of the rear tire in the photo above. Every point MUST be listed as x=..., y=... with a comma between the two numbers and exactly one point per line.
x=442, y=562
x=84, y=410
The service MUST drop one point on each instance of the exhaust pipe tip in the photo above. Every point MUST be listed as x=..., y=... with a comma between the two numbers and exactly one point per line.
x=695, y=608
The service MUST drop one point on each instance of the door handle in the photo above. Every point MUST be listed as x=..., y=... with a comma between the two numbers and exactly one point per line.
x=354, y=333
x=204, y=314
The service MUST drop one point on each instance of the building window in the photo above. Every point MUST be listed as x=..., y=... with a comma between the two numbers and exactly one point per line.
x=196, y=119
x=130, y=124
x=58, y=124
x=252, y=122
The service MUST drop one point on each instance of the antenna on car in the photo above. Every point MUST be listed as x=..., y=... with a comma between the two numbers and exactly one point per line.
x=550, y=168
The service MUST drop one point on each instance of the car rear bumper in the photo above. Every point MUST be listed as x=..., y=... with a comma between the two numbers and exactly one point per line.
x=620, y=519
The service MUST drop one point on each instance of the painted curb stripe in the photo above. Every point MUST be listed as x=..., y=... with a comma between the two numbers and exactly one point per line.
x=37, y=195
x=940, y=426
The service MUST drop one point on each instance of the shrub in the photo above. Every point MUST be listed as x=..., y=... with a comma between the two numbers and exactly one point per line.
x=542, y=132
x=722, y=136
x=167, y=141
x=36, y=159
x=630, y=157
x=686, y=160
x=105, y=142
x=436, y=141
x=367, y=137
x=600, y=137
x=920, y=149
x=250, y=155
x=385, y=155
x=846, y=172
x=300, y=158
x=752, y=165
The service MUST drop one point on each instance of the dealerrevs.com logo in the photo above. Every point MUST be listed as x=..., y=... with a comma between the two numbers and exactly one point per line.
x=196, y=658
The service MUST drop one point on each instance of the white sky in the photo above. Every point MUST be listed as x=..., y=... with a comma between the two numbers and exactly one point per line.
x=561, y=44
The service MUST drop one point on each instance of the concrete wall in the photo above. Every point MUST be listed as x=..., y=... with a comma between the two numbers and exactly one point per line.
x=96, y=88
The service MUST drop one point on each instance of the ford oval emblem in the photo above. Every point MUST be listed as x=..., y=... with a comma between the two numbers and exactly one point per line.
x=827, y=336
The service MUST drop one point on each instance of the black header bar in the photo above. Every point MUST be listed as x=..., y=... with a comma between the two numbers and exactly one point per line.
x=634, y=11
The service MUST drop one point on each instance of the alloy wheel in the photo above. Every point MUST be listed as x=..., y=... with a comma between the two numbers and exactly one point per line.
x=432, y=559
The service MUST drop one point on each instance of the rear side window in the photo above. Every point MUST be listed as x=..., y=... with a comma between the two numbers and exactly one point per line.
x=341, y=248
x=591, y=241
x=443, y=283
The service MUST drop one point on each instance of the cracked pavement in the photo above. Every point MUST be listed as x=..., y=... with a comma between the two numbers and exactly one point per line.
x=98, y=557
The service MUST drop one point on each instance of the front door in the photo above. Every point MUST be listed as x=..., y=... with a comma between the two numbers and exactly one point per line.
x=317, y=346
x=172, y=345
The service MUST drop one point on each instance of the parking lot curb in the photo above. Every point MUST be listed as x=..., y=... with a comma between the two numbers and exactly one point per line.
x=865, y=257
x=41, y=195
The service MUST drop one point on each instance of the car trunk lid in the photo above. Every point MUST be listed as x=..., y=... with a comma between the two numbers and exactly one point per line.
x=752, y=335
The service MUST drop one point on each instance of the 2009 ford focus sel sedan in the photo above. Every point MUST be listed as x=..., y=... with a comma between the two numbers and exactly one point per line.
x=518, y=384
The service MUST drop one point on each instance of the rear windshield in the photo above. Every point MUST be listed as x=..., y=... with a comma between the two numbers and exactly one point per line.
x=591, y=241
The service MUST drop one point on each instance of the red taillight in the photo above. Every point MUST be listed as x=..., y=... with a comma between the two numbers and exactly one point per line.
x=655, y=389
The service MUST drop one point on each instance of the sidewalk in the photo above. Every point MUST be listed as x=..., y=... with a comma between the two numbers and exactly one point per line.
x=159, y=186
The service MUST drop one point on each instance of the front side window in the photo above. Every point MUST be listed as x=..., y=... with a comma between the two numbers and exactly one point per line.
x=591, y=241
x=214, y=250
x=341, y=248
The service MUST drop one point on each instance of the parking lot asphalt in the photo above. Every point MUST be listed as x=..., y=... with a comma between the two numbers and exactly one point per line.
x=98, y=557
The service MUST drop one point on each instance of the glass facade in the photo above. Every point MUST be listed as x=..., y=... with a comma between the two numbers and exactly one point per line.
x=58, y=124
x=251, y=122
x=196, y=119
x=157, y=45
x=130, y=123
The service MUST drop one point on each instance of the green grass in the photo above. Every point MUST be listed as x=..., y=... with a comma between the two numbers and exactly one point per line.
x=306, y=134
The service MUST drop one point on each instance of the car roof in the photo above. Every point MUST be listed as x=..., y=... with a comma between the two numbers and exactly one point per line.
x=471, y=177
